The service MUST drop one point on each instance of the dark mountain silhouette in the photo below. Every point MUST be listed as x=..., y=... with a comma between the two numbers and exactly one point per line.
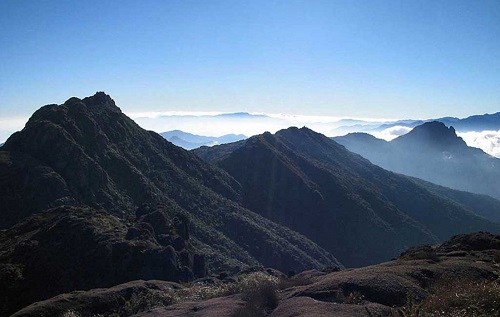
x=190, y=141
x=358, y=211
x=432, y=152
x=85, y=157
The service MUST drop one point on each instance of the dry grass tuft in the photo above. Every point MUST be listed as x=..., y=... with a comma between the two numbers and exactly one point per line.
x=457, y=298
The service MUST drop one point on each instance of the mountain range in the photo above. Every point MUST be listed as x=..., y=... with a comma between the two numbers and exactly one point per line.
x=91, y=202
x=190, y=141
x=433, y=152
x=482, y=131
x=311, y=184
x=83, y=186
x=473, y=123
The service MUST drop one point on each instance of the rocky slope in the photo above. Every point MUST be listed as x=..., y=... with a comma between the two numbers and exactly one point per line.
x=356, y=210
x=417, y=283
x=432, y=152
x=76, y=248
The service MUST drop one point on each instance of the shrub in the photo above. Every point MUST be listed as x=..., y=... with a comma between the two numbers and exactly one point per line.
x=244, y=283
x=70, y=313
x=260, y=296
x=144, y=301
x=458, y=298
x=252, y=281
x=259, y=290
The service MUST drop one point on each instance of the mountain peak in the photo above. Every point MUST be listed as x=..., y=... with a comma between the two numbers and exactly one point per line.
x=99, y=100
x=433, y=133
x=435, y=127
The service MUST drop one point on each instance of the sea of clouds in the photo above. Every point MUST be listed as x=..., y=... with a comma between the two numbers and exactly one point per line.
x=488, y=141
x=218, y=124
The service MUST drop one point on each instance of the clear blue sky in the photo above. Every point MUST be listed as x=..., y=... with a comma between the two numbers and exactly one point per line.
x=391, y=59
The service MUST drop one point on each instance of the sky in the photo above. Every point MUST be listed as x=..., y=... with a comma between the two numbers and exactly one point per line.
x=359, y=59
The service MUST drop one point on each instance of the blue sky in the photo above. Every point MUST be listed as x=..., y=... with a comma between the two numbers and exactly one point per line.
x=376, y=59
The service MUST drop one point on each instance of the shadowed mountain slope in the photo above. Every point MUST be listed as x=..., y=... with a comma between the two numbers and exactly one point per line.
x=359, y=211
x=88, y=153
x=432, y=152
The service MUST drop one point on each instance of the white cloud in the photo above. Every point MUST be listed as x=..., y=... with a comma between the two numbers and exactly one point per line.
x=11, y=125
x=211, y=124
x=488, y=141
x=391, y=133
x=159, y=114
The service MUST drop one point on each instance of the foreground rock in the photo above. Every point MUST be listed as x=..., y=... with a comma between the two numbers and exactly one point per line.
x=73, y=248
x=120, y=299
x=386, y=289
x=217, y=307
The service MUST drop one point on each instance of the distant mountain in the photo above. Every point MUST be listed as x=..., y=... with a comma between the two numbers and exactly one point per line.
x=473, y=123
x=476, y=123
x=89, y=199
x=352, y=208
x=241, y=115
x=190, y=141
x=432, y=152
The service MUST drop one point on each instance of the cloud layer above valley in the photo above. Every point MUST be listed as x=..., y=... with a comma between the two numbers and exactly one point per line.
x=391, y=133
x=218, y=124
x=488, y=141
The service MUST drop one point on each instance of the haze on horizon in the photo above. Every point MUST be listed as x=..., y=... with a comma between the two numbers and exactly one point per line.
x=357, y=59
